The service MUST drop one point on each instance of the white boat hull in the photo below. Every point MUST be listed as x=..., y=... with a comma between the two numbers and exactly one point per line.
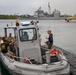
x=15, y=67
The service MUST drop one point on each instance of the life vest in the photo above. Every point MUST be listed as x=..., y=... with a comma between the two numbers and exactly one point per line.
x=4, y=48
x=54, y=52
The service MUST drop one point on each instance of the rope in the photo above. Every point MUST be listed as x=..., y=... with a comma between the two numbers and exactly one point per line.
x=19, y=58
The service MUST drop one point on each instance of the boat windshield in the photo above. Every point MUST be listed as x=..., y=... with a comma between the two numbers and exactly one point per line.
x=28, y=34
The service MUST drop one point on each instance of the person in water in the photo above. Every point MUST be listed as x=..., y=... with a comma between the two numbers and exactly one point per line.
x=50, y=39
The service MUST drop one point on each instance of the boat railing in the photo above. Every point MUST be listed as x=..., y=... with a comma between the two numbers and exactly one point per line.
x=16, y=58
x=28, y=60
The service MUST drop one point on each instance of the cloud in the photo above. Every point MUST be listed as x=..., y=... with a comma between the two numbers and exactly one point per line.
x=29, y=6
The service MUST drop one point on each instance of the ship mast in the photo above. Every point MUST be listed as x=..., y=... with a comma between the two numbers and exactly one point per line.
x=49, y=9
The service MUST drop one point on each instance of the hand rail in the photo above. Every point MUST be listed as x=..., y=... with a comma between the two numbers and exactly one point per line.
x=18, y=57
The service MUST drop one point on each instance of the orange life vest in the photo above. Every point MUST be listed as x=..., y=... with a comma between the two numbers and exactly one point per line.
x=54, y=52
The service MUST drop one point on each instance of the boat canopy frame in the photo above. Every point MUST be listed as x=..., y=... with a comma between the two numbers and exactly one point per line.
x=6, y=28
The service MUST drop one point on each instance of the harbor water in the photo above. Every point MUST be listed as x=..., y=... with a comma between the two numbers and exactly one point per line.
x=64, y=33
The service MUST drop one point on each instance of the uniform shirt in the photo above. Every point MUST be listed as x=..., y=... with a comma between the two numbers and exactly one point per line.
x=50, y=38
x=9, y=39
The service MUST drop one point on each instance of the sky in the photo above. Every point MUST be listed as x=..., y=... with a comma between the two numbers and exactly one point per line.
x=30, y=6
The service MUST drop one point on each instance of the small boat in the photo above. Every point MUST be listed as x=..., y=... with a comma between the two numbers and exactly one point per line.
x=68, y=19
x=30, y=57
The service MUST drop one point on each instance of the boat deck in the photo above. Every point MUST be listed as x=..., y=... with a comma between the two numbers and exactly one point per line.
x=71, y=59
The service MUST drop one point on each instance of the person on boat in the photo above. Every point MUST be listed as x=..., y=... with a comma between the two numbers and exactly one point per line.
x=9, y=38
x=50, y=39
x=11, y=41
x=25, y=36
x=4, y=46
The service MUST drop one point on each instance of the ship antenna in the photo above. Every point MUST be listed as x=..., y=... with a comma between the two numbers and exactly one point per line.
x=49, y=9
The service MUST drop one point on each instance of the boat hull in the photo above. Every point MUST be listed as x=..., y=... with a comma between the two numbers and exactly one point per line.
x=61, y=72
x=16, y=68
x=41, y=18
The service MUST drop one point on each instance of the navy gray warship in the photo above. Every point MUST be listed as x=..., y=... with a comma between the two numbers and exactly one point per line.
x=40, y=14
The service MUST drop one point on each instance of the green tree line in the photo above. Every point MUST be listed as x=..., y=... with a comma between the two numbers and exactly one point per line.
x=14, y=16
x=7, y=17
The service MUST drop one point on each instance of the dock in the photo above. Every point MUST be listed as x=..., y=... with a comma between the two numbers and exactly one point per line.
x=71, y=59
